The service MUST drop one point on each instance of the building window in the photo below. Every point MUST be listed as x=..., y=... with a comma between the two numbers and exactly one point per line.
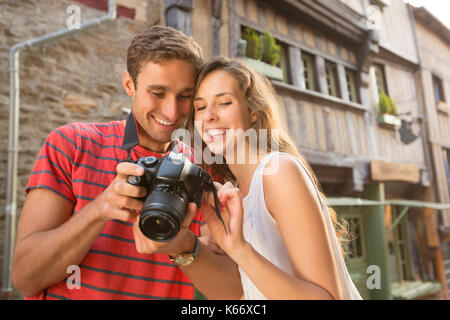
x=332, y=79
x=380, y=78
x=399, y=248
x=284, y=63
x=351, y=85
x=438, y=90
x=447, y=167
x=308, y=73
x=355, y=245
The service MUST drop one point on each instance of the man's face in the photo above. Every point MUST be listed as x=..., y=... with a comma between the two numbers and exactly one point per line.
x=161, y=100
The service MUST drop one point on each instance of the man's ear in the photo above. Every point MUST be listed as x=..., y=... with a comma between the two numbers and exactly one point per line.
x=128, y=84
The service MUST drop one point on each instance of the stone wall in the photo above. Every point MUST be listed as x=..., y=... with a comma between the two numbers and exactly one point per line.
x=74, y=79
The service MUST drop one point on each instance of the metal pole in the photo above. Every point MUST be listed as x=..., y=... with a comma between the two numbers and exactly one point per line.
x=13, y=148
x=376, y=240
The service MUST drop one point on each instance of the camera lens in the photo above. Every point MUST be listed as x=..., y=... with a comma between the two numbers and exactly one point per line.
x=158, y=226
x=162, y=215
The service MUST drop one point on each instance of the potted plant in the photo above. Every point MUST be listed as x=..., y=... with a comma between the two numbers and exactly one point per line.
x=262, y=55
x=387, y=111
x=253, y=43
x=271, y=50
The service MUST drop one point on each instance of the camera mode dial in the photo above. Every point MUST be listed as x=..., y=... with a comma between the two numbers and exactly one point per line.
x=149, y=161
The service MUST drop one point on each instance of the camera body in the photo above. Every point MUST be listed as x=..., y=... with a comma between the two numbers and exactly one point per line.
x=171, y=182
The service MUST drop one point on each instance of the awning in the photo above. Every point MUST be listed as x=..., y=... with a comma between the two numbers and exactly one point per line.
x=343, y=202
x=404, y=204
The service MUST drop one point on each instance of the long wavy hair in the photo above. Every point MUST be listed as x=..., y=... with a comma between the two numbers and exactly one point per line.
x=261, y=100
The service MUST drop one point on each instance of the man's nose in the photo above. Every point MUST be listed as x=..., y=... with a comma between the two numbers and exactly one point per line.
x=171, y=108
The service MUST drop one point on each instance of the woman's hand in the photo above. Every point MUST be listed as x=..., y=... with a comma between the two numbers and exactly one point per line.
x=232, y=211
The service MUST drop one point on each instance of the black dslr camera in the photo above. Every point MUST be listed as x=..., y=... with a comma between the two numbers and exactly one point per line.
x=172, y=182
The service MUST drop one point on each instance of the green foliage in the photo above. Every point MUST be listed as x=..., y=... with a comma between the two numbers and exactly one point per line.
x=271, y=50
x=386, y=105
x=394, y=110
x=383, y=103
x=253, y=50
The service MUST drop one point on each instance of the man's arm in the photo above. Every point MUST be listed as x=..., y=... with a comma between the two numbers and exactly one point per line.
x=50, y=238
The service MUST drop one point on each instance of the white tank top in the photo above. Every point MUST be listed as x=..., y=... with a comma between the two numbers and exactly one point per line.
x=261, y=231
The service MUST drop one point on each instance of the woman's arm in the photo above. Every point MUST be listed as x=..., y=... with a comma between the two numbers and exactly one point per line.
x=296, y=209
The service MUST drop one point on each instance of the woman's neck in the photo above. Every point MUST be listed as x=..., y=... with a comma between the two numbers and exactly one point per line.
x=243, y=169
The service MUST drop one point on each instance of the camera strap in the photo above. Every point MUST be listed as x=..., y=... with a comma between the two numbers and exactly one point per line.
x=216, y=204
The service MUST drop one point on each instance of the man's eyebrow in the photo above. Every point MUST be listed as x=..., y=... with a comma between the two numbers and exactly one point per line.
x=161, y=87
x=157, y=87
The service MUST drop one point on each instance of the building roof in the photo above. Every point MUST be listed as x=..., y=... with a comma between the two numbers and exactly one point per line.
x=333, y=16
x=425, y=17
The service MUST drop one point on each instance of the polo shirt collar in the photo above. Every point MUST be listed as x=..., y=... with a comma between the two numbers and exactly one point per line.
x=131, y=135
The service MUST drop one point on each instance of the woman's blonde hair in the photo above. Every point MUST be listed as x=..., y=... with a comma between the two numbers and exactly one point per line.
x=261, y=100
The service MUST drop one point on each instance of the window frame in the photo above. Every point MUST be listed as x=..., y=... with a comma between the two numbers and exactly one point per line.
x=380, y=78
x=308, y=71
x=350, y=76
x=401, y=247
x=438, y=89
x=332, y=79
x=446, y=156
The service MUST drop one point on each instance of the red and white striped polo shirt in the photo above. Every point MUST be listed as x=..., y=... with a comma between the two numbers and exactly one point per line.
x=78, y=161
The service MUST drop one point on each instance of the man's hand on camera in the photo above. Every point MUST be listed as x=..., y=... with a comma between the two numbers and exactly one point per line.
x=120, y=199
x=183, y=242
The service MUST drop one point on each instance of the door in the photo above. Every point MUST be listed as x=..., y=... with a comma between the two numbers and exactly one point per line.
x=354, y=246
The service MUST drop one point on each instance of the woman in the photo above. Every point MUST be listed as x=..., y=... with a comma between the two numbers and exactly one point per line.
x=279, y=230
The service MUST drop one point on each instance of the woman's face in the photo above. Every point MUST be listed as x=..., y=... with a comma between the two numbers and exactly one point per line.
x=220, y=108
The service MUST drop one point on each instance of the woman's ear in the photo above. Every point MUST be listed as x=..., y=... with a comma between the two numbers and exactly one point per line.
x=253, y=117
x=128, y=84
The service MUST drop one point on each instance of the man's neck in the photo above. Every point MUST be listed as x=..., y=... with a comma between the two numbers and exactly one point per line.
x=156, y=147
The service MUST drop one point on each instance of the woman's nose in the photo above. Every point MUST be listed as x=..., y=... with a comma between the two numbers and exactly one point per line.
x=210, y=114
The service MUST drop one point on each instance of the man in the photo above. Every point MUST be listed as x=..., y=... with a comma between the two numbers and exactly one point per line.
x=81, y=211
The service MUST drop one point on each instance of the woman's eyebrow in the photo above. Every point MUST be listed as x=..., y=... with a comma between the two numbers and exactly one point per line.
x=223, y=93
x=217, y=95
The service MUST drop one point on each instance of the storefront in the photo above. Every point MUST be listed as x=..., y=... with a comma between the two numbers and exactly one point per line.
x=394, y=247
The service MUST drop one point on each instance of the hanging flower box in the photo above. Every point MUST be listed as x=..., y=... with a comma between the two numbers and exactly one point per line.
x=263, y=56
x=264, y=68
x=389, y=120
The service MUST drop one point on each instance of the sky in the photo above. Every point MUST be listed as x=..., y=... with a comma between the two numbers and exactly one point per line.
x=439, y=8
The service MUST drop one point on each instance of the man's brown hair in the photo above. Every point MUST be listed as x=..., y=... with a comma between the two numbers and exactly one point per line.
x=161, y=43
